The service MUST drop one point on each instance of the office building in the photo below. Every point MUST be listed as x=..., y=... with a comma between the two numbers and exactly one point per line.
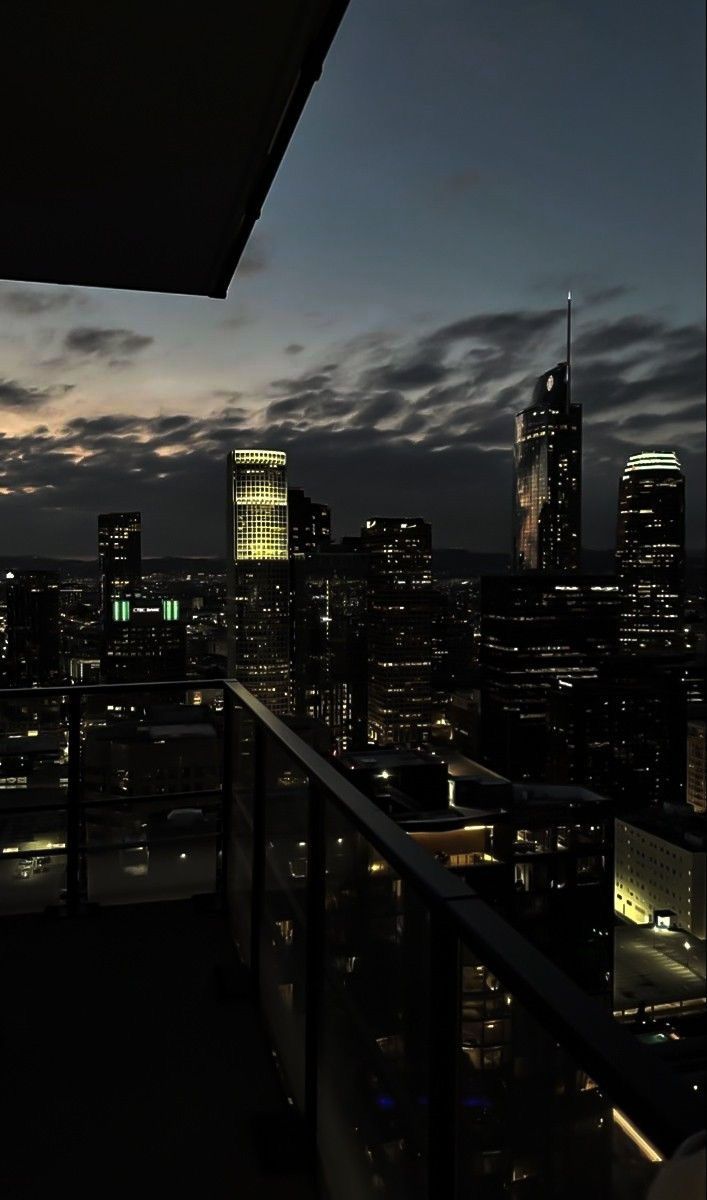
x=308, y=524
x=660, y=873
x=547, y=471
x=257, y=568
x=542, y=856
x=164, y=750
x=144, y=639
x=401, y=782
x=328, y=642
x=620, y=729
x=33, y=650
x=119, y=557
x=696, y=783
x=84, y=670
x=464, y=713
x=120, y=579
x=399, y=630
x=650, y=552
x=536, y=628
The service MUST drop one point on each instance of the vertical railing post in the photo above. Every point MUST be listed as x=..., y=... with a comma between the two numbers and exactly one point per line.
x=314, y=960
x=73, y=806
x=444, y=1049
x=229, y=712
x=258, y=870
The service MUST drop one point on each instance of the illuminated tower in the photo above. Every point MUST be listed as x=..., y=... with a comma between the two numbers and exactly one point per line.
x=650, y=552
x=258, y=575
x=547, y=466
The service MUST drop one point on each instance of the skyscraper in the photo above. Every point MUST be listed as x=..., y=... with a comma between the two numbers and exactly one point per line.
x=650, y=552
x=547, y=466
x=535, y=629
x=33, y=628
x=399, y=630
x=696, y=781
x=257, y=565
x=144, y=639
x=308, y=523
x=119, y=557
x=329, y=624
x=620, y=730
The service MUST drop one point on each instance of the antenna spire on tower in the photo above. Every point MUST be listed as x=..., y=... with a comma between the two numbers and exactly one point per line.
x=569, y=348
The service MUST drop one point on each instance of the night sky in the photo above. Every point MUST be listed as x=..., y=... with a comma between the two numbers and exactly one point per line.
x=457, y=168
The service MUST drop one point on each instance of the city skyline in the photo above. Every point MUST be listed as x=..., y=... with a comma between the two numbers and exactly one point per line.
x=394, y=310
x=353, y=624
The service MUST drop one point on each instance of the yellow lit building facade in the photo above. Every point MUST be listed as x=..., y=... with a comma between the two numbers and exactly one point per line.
x=258, y=575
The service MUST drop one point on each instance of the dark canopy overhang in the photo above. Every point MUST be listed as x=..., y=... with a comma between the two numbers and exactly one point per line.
x=140, y=138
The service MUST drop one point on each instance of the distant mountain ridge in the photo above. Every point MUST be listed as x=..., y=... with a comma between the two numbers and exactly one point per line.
x=446, y=562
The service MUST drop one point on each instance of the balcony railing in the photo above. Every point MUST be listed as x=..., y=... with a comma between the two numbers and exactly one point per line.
x=430, y=1048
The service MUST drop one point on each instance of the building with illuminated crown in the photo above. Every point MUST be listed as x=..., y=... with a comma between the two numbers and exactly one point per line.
x=145, y=638
x=547, y=468
x=120, y=579
x=257, y=567
x=650, y=552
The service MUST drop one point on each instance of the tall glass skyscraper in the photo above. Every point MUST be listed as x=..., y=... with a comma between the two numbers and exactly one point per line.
x=547, y=463
x=537, y=628
x=258, y=575
x=399, y=630
x=650, y=552
x=119, y=557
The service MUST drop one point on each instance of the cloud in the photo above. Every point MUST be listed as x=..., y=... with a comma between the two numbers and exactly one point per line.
x=381, y=408
x=611, y=337
x=240, y=316
x=409, y=376
x=254, y=258
x=28, y=301
x=294, y=348
x=510, y=330
x=303, y=382
x=17, y=395
x=604, y=295
x=460, y=183
x=438, y=443
x=90, y=427
x=586, y=286
x=115, y=345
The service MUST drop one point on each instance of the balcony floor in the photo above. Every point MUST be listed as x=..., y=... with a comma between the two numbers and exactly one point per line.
x=127, y=1067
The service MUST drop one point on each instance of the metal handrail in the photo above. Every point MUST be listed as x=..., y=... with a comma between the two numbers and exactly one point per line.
x=88, y=689
x=640, y=1086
